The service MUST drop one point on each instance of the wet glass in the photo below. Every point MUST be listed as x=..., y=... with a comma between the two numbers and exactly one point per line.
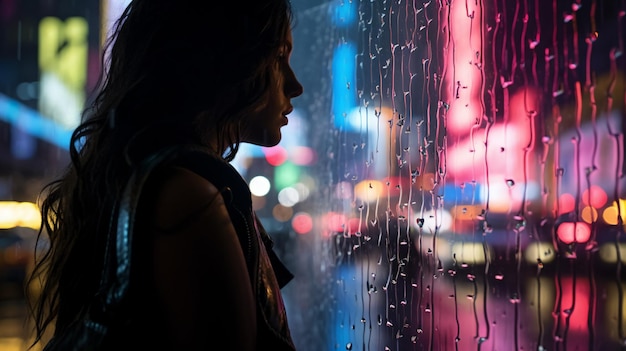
x=474, y=165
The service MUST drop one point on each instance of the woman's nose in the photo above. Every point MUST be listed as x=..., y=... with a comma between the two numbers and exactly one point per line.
x=293, y=87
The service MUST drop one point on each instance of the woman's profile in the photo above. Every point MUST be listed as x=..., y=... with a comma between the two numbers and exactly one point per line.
x=199, y=78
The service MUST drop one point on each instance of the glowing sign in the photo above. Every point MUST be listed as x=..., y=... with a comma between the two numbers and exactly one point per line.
x=63, y=53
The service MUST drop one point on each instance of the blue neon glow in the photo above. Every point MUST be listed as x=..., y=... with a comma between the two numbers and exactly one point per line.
x=344, y=87
x=31, y=122
x=344, y=13
x=469, y=194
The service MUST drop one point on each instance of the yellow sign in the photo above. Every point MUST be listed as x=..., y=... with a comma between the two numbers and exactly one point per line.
x=63, y=55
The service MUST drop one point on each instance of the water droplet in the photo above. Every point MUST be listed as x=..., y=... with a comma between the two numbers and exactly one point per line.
x=567, y=17
x=510, y=182
x=349, y=346
x=481, y=216
x=420, y=222
x=505, y=83
x=592, y=246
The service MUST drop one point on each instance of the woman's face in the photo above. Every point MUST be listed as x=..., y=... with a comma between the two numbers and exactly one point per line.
x=263, y=126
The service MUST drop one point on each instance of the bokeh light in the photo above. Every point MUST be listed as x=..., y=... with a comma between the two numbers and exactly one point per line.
x=288, y=196
x=260, y=186
x=302, y=223
x=595, y=197
x=570, y=232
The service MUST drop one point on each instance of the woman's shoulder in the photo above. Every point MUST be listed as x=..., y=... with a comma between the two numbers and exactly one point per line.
x=178, y=195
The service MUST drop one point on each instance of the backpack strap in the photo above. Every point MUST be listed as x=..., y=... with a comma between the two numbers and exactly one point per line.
x=123, y=226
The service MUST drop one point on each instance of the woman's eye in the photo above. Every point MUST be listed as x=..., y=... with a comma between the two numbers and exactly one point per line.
x=283, y=53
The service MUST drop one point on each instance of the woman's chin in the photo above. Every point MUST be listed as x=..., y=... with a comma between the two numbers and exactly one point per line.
x=267, y=140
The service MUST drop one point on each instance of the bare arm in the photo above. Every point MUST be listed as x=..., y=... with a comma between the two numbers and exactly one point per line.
x=199, y=267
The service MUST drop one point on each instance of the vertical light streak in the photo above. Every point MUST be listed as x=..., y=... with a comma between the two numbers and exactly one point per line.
x=592, y=103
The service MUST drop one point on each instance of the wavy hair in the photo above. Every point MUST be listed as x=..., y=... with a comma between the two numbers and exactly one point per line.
x=174, y=74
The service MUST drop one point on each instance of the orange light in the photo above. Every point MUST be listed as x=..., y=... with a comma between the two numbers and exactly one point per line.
x=466, y=212
x=612, y=214
x=19, y=214
x=426, y=181
x=589, y=214
x=282, y=213
x=369, y=190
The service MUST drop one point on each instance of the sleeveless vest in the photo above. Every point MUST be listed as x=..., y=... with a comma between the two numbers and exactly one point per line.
x=267, y=273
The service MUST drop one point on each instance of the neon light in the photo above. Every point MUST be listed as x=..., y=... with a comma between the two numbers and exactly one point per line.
x=63, y=55
x=344, y=96
x=344, y=14
x=31, y=122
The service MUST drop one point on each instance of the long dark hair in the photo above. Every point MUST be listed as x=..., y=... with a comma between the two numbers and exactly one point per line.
x=175, y=75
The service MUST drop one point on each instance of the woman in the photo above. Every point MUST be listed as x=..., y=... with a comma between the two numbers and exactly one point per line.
x=202, y=78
